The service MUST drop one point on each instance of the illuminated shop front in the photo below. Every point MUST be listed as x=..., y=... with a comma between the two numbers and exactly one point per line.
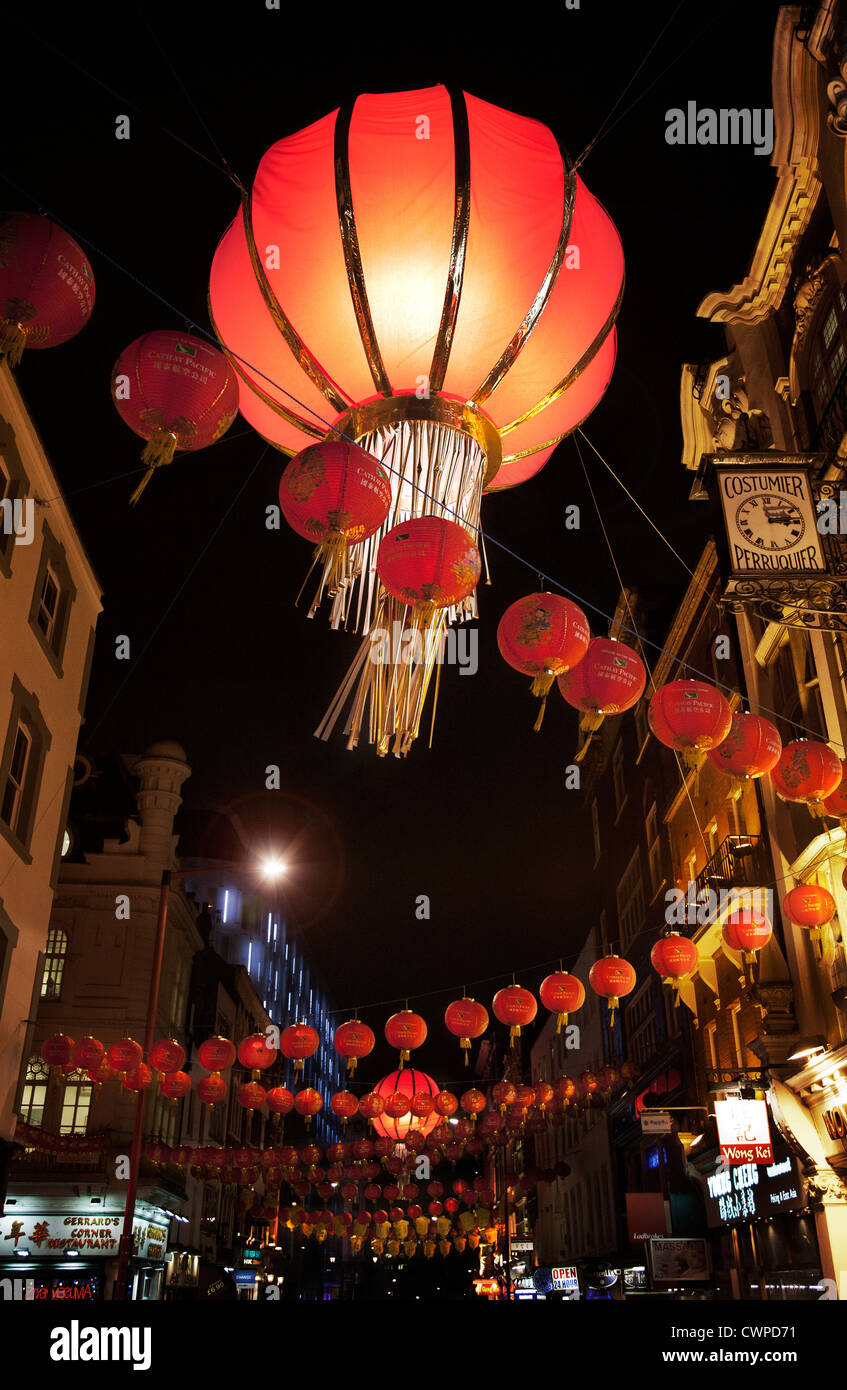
x=70, y=1252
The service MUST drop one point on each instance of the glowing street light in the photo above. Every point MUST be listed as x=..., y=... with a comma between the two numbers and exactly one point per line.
x=273, y=867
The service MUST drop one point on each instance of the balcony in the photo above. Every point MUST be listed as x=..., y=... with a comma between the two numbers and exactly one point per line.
x=740, y=861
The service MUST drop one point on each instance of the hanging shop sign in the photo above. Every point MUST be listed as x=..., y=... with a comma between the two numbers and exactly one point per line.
x=655, y=1122
x=750, y=1190
x=679, y=1261
x=782, y=559
x=54, y=1233
x=743, y=1131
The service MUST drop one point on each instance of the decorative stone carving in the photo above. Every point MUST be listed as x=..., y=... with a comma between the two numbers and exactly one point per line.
x=825, y=1185
x=816, y=279
x=737, y=427
x=836, y=93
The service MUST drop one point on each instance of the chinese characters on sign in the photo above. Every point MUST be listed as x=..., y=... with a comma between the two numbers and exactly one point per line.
x=744, y=1131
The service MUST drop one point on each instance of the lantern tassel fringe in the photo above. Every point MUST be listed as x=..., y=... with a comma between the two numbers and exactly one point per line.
x=12, y=342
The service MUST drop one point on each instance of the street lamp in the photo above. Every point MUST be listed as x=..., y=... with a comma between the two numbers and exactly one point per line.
x=271, y=868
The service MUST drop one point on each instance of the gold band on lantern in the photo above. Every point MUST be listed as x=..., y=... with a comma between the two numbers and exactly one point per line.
x=439, y=410
x=459, y=245
x=352, y=253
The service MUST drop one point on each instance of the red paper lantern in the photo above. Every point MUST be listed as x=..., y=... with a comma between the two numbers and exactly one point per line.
x=562, y=994
x=299, y=1042
x=353, y=1040
x=473, y=1101
x=397, y=1091
x=255, y=1053
x=516, y=1007
x=751, y=748
x=101, y=1073
x=167, y=1055
x=211, y=1090
x=216, y=1054
x=691, y=717
x=466, y=1019
x=88, y=1054
x=406, y=1031
x=370, y=1106
x=138, y=1078
x=428, y=563
x=308, y=1102
x=343, y=1104
x=747, y=931
x=809, y=905
x=543, y=635
x=58, y=1050
x=807, y=771
x=609, y=680
x=46, y=285
x=279, y=1100
x=543, y=1093
x=422, y=1104
x=674, y=957
x=177, y=392
x=446, y=1104
x=611, y=977
x=123, y=1055
x=251, y=1096
x=836, y=803
x=503, y=1094
x=175, y=1085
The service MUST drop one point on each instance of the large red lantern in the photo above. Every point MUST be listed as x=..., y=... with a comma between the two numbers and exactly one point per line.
x=175, y=1085
x=353, y=1040
x=691, y=717
x=371, y=1106
x=307, y=1103
x=609, y=680
x=138, y=1078
x=397, y=1091
x=747, y=931
x=466, y=1019
x=543, y=635
x=473, y=1102
x=216, y=1054
x=279, y=1100
x=298, y=1042
x=562, y=994
x=46, y=285
x=503, y=1094
x=751, y=748
x=406, y=1031
x=176, y=391
x=387, y=272
x=516, y=1007
x=123, y=1055
x=611, y=977
x=335, y=495
x=211, y=1090
x=251, y=1096
x=807, y=771
x=167, y=1055
x=812, y=906
x=88, y=1054
x=255, y=1053
x=675, y=958
x=345, y=1105
x=58, y=1050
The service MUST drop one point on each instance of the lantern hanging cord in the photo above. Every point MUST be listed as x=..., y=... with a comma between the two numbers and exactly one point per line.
x=527, y=564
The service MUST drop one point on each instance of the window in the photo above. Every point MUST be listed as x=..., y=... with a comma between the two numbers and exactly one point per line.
x=618, y=777
x=34, y=1093
x=630, y=900
x=709, y=1046
x=76, y=1103
x=27, y=742
x=179, y=993
x=54, y=964
x=48, y=604
x=13, y=792
x=641, y=1025
x=52, y=600
x=737, y=1046
x=654, y=848
x=829, y=356
x=595, y=829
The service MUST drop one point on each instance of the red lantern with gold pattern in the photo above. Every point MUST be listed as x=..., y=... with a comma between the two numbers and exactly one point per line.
x=88, y=1054
x=446, y=1103
x=255, y=1053
x=251, y=1096
x=167, y=1055
x=46, y=285
x=428, y=563
x=813, y=906
x=747, y=931
x=353, y=1040
x=675, y=959
x=216, y=1054
x=466, y=1019
x=751, y=749
x=175, y=1085
x=307, y=1103
x=138, y=1078
x=473, y=1102
x=422, y=1104
x=611, y=977
x=280, y=1101
x=562, y=994
x=100, y=1074
x=609, y=680
x=807, y=771
x=503, y=1094
x=123, y=1055
x=544, y=636
x=345, y=1105
x=836, y=803
x=211, y=1090
x=516, y=1007
x=177, y=392
x=397, y=1091
x=58, y=1050
x=406, y=1031
x=297, y=1043
x=691, y=717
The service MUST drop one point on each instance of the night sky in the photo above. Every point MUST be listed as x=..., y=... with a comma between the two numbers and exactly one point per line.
x=222, y=660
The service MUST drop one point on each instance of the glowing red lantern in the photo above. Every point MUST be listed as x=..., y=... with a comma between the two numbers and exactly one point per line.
x=446, y=1104
x=429, y=562
x=343, y=1104
x=406, y=1031
x=691, y=717
x=255, y=1053
x=371, y=1106
x=251, y=1096
x=308, y=1102
x=58, y=1050
x=503, y=1094
x=609, y=680
x=353, y=1040
x=299, y=1042
x=167, y=1055
x=211, y=1090
x=88, y=1054
x=807, y=771
x=335, y=495
x=177, y=392
x=562, y=994
x=101, y=1073
x=611, y=977
x=123, y=1055
x=46, y=285
x=836, y=803
x=810, y=905
x=543, y=635
x=397, y=1091
x=473, y=1102
x=747, y=931
x=516, y=1007
x=279, y=1100
x=543, y=1094
x=175, y=1085
x=138, y=1078
x=675, y=958
x=466, y=1019
x=751, y=748
x=216, y=1054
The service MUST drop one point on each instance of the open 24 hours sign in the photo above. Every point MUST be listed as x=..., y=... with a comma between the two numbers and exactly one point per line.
x=771, y=520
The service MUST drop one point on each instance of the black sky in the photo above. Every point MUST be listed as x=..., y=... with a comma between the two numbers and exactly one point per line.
x=223, y=661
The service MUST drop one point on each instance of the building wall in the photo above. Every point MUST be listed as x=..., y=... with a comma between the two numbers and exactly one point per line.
x=48, y=686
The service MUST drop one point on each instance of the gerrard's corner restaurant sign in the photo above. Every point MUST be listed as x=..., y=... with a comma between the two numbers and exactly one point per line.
x=99, y=1234
x=744, y=1132
x=785, y=545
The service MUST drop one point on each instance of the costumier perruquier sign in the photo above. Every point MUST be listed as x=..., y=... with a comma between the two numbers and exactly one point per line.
x=771, y=520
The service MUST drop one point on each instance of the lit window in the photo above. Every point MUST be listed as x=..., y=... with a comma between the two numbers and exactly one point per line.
x=76, y=1103
x=54, y=964
x=13, y=793
x=34, y=1094
x=48, y=604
